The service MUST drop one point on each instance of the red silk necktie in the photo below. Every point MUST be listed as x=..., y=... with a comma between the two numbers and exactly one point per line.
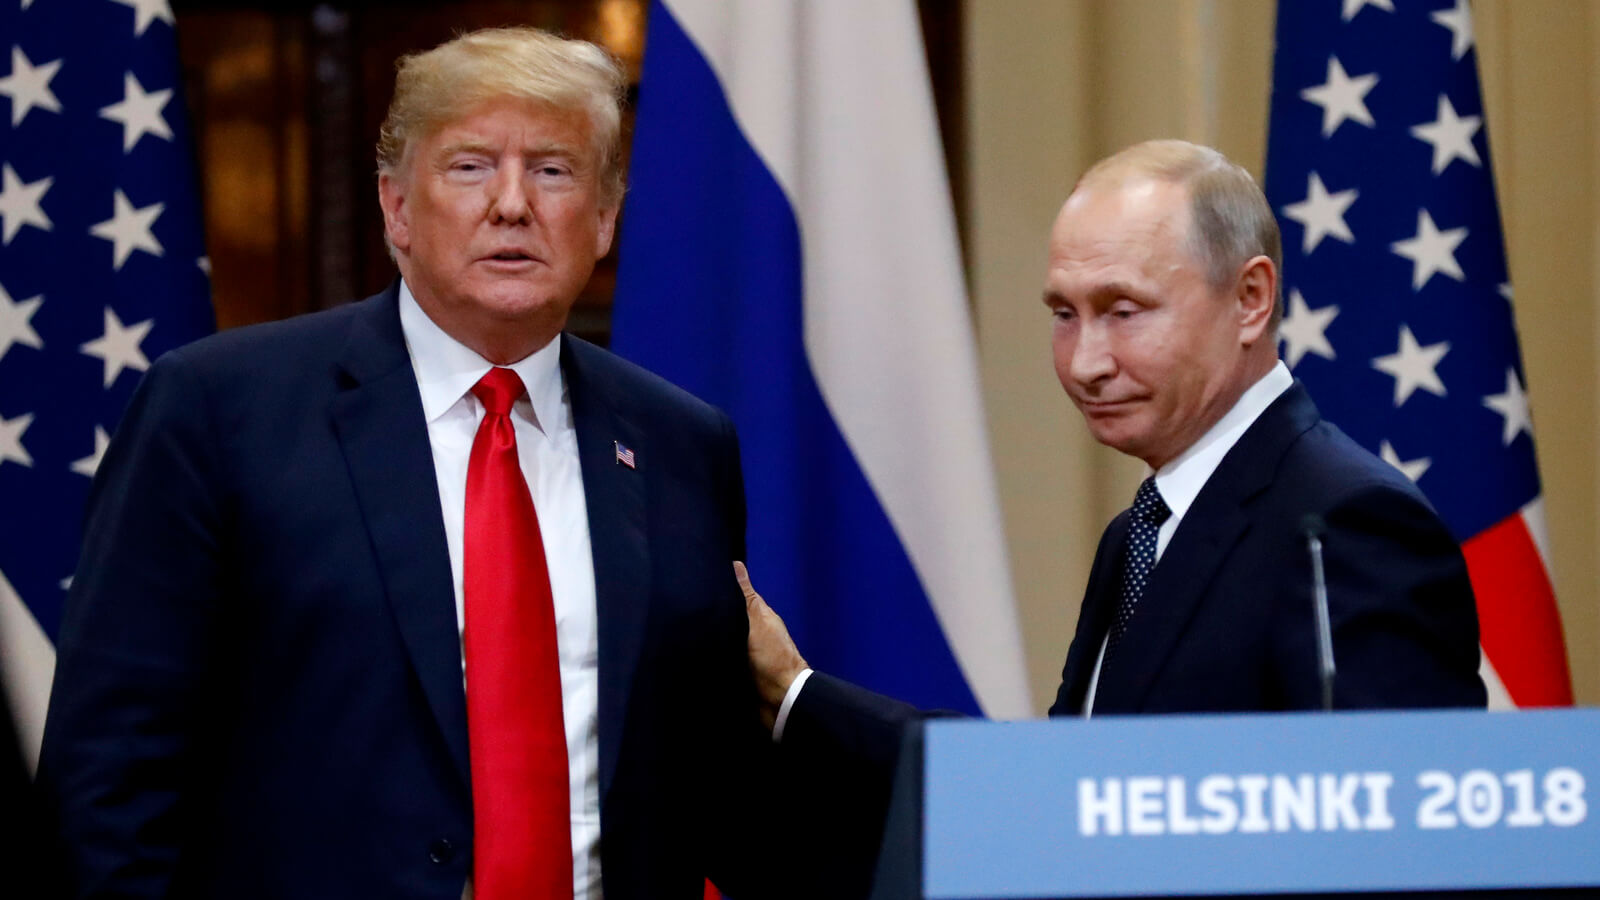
x=522, y=827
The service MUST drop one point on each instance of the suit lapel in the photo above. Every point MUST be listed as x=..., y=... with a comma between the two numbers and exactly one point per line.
x=616, y=497
x=381, y=429
x=1171, y=595
x=1217, y=520
x=1094, y=617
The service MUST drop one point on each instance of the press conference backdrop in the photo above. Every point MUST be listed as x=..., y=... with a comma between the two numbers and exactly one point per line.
x=1054, y=86
x=102, y=268
x=1108, y=74
x=1399, y=303
x=789, y=253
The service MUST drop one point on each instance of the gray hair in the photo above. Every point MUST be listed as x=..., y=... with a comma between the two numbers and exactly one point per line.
x=1230, y=220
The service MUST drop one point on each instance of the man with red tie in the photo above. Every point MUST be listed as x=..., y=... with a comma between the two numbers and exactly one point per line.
x=420, y=596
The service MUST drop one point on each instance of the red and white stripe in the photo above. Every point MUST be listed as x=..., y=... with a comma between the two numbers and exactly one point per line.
x=1524, y=653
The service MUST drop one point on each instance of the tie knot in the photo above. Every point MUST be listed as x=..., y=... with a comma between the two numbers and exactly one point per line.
x=498, y=390
x=1148, y=505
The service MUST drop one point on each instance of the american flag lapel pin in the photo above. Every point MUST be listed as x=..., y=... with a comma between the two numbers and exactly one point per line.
x=624, y=455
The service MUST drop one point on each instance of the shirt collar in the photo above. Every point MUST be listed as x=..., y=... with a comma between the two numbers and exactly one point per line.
x=1180, y=481
x=446, y=369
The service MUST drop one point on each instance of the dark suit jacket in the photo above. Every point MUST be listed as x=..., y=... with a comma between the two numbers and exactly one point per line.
x=259, y=688
x=19, y=820
x=1225, y=623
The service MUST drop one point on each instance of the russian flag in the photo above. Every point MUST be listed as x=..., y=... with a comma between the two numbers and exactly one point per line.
x=788, y=252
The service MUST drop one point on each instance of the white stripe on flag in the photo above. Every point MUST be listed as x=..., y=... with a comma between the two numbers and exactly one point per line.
x=834, y=98
x=1533, y=517
x=1499, y=698
x=27, y=663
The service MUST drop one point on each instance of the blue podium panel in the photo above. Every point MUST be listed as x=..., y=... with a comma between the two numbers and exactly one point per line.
x=1279, y=803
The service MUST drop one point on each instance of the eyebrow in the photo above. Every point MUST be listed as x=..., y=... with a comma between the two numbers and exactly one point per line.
x=1116, y=289
x=1098, y=292
x=475, y=146
x=468, y=146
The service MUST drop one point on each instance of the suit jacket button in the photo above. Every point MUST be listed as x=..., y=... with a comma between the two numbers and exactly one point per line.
x=441, y=851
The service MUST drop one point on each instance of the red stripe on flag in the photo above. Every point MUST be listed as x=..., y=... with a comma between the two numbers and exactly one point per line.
x=1517, y=616
x=711, y=891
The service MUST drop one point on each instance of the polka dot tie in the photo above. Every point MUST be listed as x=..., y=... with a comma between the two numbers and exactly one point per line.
x=1144, y=521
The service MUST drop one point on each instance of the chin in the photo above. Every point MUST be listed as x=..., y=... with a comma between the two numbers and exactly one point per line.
x=519, y=302
x=1115, y=434
x=1109, y=435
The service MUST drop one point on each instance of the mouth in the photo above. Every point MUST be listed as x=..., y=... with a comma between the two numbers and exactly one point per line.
x=510, y=258
x=1105, y=407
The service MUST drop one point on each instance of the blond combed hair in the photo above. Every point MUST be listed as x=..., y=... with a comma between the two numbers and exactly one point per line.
x=438, y=86
x=1230, y=223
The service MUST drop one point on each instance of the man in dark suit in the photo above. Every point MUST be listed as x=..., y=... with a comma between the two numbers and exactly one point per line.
x=308, y=537
x=1163, y=283
x=1163, y=286
x=19, y=821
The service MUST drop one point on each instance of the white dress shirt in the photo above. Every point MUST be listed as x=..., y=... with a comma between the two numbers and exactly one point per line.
x=1178, y=481
x=1181, y=480
x=547, y=448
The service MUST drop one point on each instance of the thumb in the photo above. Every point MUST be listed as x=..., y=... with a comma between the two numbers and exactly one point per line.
x=751, y=598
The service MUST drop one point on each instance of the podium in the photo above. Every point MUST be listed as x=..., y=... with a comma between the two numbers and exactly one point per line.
x=1272, y=804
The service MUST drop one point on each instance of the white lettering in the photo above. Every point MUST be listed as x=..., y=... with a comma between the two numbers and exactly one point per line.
x=1337, y=798
x=1254, y=789
x=1289, y=802
x=1294, y=801
x=1144, y=806
x=1564, y=804
x=1178, y=819
x=1377, y=785
x=1523, y=813
x=1479, y=799
x=1096, y=804
x=1216, y=798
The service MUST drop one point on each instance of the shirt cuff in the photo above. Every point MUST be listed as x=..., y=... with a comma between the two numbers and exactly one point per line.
x=788, y=704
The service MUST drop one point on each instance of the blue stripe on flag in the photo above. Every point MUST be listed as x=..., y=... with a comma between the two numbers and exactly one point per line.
x=709, y=295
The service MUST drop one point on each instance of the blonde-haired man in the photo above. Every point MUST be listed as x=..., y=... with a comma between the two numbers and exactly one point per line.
x=420, y=595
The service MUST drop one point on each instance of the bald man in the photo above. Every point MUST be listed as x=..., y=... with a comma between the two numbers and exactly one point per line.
x=1164, y=297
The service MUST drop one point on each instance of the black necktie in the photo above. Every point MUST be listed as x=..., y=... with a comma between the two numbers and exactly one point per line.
x=1144, y=521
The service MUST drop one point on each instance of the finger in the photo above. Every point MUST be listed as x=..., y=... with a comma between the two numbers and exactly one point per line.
x=743, y=575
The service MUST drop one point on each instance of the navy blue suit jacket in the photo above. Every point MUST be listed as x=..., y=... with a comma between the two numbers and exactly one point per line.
x=1225, y=623
x=259, y=688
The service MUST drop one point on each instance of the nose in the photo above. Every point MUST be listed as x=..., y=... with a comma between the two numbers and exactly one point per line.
x=1090, y=357
x=510, y=202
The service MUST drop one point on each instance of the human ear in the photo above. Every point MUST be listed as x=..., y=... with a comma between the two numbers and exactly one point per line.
x=1256, y=291
x=392, y=198
x=608, y=227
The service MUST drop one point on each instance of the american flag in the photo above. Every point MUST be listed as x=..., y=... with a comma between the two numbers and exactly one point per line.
x=1399, y=306
x=624, y=455
x=102, y=268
